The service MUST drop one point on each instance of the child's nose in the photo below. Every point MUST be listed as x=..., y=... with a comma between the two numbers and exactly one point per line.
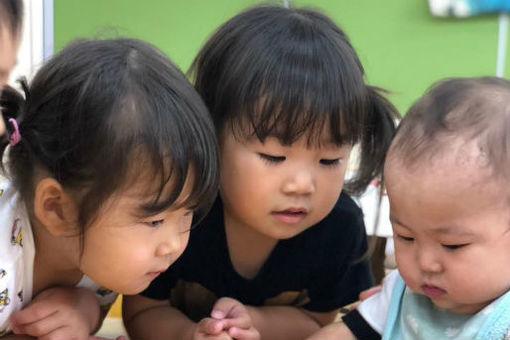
x=170, y=244
x=428, y=261
x=300, y=183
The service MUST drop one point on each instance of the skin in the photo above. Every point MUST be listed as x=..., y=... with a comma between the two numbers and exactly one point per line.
x=123, y=233
x=451, y=226
x=9, y=45
x=260, y=184
x=451, y=222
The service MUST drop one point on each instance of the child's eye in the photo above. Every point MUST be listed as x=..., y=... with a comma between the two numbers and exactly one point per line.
x=406, y=238
x=330, y=162
x=155, y=223
x=271, y=159
x=454, y=246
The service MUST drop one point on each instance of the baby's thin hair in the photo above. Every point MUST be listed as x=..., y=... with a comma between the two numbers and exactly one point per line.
x=287, y=73
x=11, y=15
x=101, y=110
x=474, y=109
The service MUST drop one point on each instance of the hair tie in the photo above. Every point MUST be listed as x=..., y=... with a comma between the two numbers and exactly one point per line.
x=15, y=136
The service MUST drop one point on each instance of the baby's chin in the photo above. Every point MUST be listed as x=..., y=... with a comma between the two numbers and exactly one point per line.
x=462, y=309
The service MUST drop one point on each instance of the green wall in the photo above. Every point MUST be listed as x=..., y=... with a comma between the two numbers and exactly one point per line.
x=403, y=48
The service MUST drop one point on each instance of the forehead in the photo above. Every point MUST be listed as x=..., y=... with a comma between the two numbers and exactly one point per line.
x=451, y=158
x=449, y=190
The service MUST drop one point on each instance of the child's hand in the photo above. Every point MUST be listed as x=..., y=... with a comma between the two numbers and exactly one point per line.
x=234, y=319
x=58, y=313
x=210, y=329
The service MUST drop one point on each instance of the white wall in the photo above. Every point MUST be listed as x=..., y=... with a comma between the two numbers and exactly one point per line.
x=32, y=49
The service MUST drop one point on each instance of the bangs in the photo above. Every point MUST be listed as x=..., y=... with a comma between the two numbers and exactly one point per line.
x=158, y=128
x=286, y=74
x=305, y=95
x=177, y=153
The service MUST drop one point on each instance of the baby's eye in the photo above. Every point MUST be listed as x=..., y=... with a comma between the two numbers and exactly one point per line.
x=454, y=246
x=155, y=223
x=330, y=162
x=271, y=159
x=406, y=238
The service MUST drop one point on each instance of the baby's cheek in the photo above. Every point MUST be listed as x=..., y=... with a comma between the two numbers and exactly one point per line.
x=410, y=281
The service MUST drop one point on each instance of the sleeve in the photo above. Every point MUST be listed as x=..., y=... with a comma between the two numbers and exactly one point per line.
x=342, y=272
x=359, y=327
x=374, y=310
x=11, y=277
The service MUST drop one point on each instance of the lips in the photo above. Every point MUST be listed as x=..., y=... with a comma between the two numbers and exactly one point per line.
x=154, y=274
x=290, y=215
x=432, y=291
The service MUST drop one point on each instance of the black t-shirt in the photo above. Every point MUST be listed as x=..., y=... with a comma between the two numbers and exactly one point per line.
x=319, y=270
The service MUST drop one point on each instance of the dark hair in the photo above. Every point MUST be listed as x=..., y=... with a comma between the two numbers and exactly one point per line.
x=475, y=109
x=95, y=108
x=12, y=12
x=288, y=73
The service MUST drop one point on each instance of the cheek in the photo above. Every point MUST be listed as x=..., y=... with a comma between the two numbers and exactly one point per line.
x=184, y=242
x=406, y=265
x=329, y=189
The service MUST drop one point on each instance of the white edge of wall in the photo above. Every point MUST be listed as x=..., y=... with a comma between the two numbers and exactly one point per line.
x=37, y=39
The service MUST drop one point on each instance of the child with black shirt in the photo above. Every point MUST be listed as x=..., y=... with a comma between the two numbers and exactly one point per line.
x=281, y=250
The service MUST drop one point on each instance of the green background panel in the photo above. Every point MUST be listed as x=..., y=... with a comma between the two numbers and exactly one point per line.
x=403, y=48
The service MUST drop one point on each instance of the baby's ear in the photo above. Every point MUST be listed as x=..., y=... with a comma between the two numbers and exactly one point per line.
x=55, y=209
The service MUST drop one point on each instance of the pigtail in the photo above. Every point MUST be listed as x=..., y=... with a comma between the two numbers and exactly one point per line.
x=12, y=104
x=379, y=129
x=380, y=126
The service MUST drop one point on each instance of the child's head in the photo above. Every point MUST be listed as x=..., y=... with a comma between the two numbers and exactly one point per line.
x=11, y=13
x=116, y=147
x=286, y=92
x=448, y=181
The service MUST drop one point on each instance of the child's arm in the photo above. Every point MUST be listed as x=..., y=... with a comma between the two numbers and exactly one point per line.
x=285, y=322
x=150, y=319
x=334, y=331
x=59, y=313
x=146, y=318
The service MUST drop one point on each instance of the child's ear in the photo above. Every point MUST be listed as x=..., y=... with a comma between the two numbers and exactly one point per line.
x=55, y=209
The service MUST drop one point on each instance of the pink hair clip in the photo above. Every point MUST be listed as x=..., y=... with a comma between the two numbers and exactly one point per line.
x=15, y=136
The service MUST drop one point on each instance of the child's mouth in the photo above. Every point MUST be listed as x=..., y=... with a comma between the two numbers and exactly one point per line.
x=290, y=216
x=432, y=291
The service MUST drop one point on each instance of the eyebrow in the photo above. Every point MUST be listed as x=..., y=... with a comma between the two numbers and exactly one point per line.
x=443, y=230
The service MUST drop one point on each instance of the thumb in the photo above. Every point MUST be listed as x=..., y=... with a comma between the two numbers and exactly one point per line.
x=224, y=307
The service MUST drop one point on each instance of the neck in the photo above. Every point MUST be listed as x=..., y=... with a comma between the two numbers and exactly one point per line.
x=248, y=249
x=55, y=262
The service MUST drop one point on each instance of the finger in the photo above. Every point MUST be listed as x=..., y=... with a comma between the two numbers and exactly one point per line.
x=369, y=292
x=244, y=334
x=242, y=321
x=63, y=333
x=221, y=336
x=41, y=327
x=32, y=313
x=237, y=317
x=210, y=326
x=224, y=307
